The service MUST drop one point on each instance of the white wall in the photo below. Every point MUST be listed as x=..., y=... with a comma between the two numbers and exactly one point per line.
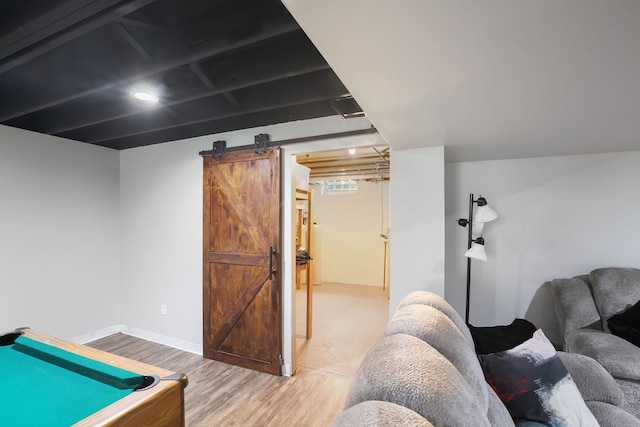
x=348, y=245
x=558, y=217
x=59, y=239
x=161, y=216
x=417, y=222
x=161, y=234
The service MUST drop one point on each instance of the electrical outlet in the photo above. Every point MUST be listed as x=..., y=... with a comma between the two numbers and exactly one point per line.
x=163, y=310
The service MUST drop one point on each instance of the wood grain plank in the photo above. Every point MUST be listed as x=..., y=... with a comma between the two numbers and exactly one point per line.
x=240, y=259
x=220, y=394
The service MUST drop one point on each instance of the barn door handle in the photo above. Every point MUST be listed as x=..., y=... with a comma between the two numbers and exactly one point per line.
x=272, y=253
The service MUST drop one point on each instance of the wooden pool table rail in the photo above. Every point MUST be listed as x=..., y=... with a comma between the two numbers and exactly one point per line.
x=161, y=405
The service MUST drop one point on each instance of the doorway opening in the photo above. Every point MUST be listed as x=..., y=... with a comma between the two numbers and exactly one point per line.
x=348, y=226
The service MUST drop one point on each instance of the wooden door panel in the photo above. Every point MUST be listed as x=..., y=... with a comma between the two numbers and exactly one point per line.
x=241, y=296
x=233, y=297
x=237, y=217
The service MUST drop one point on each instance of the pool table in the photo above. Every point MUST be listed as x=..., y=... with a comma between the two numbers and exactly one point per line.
x=53, y=382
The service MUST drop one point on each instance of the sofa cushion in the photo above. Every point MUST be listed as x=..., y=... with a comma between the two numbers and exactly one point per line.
x=593, y=381
x=436, y=301
x=574, y=305
x=612, y=416
x=405, y=370
x=614, y=290
x=534, y=384
x=618, y=356
x=631, y=393
x=627, y=324
x=379, y=413
x=436, y=329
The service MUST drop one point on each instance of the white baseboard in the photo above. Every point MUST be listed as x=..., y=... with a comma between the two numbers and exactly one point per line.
x=163, y=339
x=140, y=333
x=100, y=333
x=286, y=370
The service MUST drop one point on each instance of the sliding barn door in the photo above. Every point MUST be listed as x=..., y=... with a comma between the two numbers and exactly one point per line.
x=241, y=289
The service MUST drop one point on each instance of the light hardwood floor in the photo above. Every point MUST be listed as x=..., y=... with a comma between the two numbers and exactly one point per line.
x=348, y=320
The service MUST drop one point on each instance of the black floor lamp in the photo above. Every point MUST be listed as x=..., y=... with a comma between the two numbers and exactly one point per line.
x=475, y=247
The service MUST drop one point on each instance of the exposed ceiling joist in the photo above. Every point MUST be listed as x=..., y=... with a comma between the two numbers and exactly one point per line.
x=139, y=24
x=240, y=73
x=131, y=40
x=215, y=65
x=62, y=25
x=367, y=162
x=299, y=90
x=197, y=70
x=129, y=69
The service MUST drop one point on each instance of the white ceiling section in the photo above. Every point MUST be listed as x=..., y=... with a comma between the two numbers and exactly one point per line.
x=490, y=79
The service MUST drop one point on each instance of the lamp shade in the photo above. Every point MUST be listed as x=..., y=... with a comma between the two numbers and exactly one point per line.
x=477, y=250
x=477, y=228
x=484, y=214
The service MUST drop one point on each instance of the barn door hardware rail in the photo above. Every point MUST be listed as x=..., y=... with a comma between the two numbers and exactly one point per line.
x=218, y=150
x=261, y=142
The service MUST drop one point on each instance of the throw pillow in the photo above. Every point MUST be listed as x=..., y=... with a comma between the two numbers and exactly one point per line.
x=492, y=339
x=627, y=324
x=534, y=384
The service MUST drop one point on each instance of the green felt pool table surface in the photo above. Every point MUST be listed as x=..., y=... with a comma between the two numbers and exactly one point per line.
x=46, y=385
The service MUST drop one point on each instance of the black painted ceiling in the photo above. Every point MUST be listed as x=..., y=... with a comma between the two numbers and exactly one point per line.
x=67, y=68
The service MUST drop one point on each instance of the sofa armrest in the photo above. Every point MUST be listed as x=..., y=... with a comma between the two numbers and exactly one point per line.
x=407, y=371
x=593, y=381
x=379, y=413
x=619, y=357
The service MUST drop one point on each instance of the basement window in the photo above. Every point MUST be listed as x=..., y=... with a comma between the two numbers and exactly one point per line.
x=340, y=186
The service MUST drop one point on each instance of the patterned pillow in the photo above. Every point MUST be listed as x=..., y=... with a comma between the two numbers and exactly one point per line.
x=534, y=384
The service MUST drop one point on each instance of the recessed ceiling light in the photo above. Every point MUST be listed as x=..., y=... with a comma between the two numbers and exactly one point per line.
x=352, y=151
x=145, y=96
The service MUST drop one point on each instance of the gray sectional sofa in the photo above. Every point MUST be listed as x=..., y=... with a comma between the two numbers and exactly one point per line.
x=584, y=305
x=424, y=372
